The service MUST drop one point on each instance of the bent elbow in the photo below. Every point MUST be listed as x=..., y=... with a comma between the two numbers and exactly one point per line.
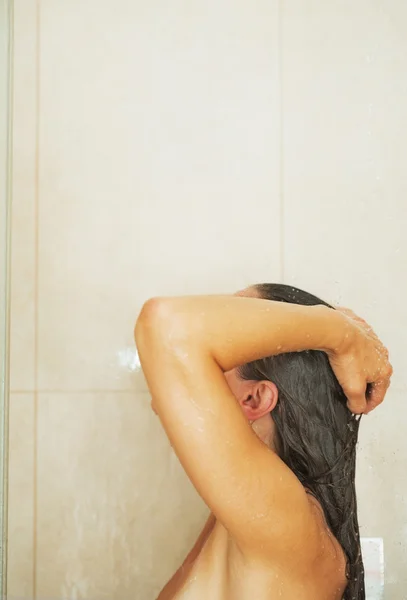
x=158, y=317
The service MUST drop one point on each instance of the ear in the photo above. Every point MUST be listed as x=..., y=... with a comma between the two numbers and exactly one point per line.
x=262, y=400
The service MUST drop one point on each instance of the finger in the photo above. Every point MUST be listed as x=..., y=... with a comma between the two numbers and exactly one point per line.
x=356, y=400
x=377, y=393
x=358, y=406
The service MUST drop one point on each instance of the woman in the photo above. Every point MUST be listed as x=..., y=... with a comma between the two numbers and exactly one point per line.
x=258, y=394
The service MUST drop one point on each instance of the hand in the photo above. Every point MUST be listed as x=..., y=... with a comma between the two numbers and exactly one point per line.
x=361, y=360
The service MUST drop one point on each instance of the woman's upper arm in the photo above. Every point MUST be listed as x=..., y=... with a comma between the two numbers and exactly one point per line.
x=245, y=484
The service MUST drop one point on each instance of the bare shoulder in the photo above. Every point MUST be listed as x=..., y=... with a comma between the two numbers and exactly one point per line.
x=330, y=558
x=304, y=567
x=305, y=575
x=316, y=556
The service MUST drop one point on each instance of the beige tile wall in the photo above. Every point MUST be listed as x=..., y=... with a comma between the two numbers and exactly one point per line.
x=20, y=571
x=150, y=165
x=345, y=126
x=382, y=487
x=23, y=280
x=110, y=525
x=151, y=156
x=345, y=213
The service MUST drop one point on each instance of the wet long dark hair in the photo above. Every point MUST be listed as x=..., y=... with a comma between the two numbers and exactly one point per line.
x=316, y=433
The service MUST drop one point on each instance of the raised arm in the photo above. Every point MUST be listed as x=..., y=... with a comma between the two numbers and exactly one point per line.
x=185, y=344
x=235, y=330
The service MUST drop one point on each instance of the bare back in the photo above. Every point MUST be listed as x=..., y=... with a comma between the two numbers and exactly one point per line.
x=216, y=569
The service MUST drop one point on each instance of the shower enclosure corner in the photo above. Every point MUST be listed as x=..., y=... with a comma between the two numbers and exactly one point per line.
x=6, y=29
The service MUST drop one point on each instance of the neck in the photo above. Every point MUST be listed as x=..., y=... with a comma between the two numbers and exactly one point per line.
x=264, y=428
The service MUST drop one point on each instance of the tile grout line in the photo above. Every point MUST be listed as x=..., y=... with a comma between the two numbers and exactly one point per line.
x=36, y=241
x=281, y=138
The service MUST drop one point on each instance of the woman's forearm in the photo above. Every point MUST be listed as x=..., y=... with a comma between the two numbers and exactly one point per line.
x=236, y=330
